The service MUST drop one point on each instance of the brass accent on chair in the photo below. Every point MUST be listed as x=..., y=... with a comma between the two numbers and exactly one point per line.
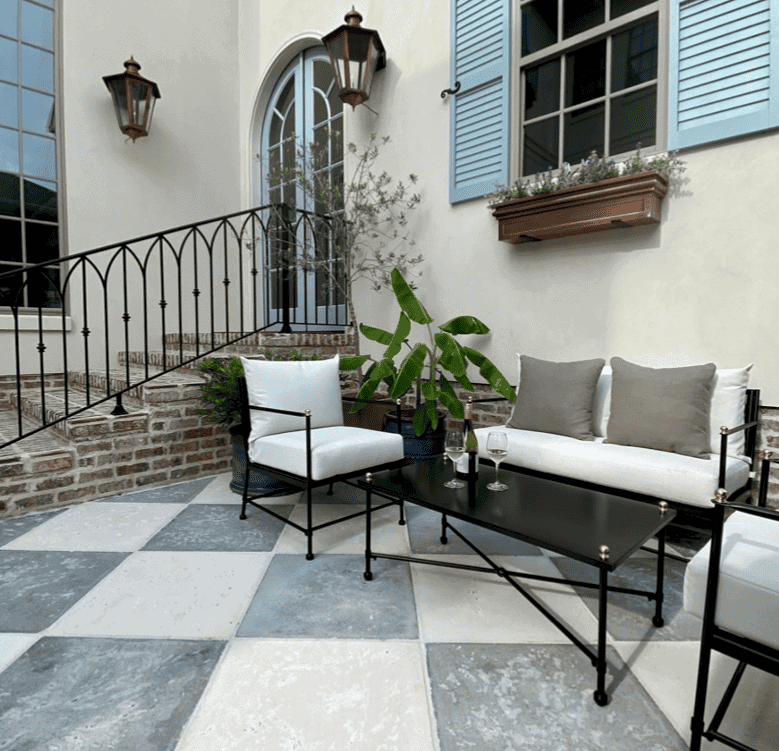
x=604, y=552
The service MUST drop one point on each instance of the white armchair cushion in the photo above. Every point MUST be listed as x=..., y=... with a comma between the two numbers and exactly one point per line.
x=334, y=451
x=296, y=386
x=748, y=592
x=662, y=474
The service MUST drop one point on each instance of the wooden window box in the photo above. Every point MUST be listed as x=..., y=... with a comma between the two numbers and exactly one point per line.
x=608, y=204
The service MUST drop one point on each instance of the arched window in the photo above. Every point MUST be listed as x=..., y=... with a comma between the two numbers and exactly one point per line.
x=303, y=128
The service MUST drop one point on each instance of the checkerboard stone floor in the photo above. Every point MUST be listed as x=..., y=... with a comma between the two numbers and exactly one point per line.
x=158, y=620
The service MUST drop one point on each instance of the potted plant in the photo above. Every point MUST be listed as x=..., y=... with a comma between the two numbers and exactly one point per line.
x=424, y=367
x=221, y=404
x=597, y=195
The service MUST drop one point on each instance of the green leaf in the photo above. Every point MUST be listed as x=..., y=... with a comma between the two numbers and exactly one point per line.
x=400, y=335
x=465, y=325
x=451, y=357
x=376, y=372
x=352, y=363
x=376, y=335
x=407, y=299
x=421, y=419
x=449, y=399
x=410, y=369
x=465, y=382
x=429, y=391
x=432, y=412
x=488, y=370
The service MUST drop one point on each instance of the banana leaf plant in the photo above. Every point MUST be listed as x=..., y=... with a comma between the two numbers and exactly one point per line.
x=425, y=365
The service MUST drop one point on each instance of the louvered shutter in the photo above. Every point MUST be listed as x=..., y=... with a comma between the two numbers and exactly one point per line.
x=479, y=114
x=724, y=69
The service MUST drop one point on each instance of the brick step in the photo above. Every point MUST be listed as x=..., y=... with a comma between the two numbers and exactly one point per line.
x=158, y=360
x=182, y=383
x=296, y=339
x=93, y=423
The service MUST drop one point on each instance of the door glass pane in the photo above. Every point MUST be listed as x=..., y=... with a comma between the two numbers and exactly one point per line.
x=12, y=242
x=620, y=7
x=37, y=69
x=39, y=157
x=9, y=286
x=40, y=200
x=584, y=130
x=42, y=290
x=42, y=242
x=541, y=149
x=38, y=25
x=10, y=199
x=8, y=52
x=8, y=17
x=9, y=109
x=581, y=15
x=539, y=25
x=542, y=89
x=634, y=56
x=585, y=73
x=36, y=109
x=9, y=150
x=633, y=118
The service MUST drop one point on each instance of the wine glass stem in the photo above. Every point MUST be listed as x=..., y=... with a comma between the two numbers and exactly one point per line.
x=496, y=472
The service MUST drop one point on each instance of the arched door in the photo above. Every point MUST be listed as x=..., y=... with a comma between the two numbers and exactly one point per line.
x=304, y=110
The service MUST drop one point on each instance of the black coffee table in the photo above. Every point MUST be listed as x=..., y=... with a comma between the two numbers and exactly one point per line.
x=595, y=528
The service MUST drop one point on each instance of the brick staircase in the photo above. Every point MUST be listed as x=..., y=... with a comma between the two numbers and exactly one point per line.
x=162, y=439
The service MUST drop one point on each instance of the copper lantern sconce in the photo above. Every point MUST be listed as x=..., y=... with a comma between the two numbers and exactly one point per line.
x=355, y=54
x=134, y=98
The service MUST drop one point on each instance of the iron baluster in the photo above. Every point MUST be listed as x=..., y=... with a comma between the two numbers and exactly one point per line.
x=163, y=305
x=196, y=295
x=85, y=332
x=226, y=280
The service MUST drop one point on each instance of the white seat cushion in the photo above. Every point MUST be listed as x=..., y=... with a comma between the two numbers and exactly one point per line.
x=334, y=451
x=661, y=474
x=295, y=385
x=748, y=592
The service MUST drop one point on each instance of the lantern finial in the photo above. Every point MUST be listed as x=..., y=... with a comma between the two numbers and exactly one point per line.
x=353, y=17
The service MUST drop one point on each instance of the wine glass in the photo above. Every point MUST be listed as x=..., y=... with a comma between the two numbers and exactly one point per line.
x=454, y=447
x=497, y=450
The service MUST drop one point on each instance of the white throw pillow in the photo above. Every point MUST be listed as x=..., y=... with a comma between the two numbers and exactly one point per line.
x=601, y=404
x=293, y=385
x=728, y=401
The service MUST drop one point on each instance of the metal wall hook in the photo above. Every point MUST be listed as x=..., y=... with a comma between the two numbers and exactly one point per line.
x=451, y=91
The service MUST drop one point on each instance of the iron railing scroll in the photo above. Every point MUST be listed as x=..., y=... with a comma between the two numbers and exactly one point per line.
x=126, y=310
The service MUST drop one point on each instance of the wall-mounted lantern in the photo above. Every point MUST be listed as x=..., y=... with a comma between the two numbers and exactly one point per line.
x=355, y=54
x=134, y=98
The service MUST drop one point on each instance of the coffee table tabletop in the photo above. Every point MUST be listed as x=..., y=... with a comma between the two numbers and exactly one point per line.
x=554, y=515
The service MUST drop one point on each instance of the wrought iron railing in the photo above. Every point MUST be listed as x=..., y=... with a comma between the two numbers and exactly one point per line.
x=221, y=280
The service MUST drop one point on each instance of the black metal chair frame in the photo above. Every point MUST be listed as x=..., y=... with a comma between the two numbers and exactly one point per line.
x=685, y=513
x=746, y=651
x=307, y=483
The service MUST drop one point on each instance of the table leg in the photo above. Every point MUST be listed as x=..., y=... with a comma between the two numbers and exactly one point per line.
x=657, y=620
x=601, y=697
x=443, y=529
x=368, y=575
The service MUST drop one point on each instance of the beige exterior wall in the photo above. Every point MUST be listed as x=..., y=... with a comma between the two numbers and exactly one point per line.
x=699, y=287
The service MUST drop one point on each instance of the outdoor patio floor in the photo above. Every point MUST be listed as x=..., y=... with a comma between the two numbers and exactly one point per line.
x=158, y=620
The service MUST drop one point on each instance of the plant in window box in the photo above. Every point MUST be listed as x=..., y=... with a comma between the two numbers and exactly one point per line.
x=221, y=404
x=425, y=365
x=597, y=195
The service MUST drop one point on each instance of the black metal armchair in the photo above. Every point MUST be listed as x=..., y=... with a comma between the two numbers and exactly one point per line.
x=297, y=433
x=732, y=584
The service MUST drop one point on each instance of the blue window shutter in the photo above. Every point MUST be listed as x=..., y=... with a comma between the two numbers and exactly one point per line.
x=479, y=112
x=724, y=69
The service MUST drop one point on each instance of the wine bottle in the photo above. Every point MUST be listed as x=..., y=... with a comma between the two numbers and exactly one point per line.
x=468, y=464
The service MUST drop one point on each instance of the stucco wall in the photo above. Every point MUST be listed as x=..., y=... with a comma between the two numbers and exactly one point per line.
x=699, y=287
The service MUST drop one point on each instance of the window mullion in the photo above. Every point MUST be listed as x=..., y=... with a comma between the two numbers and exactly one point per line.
x=607, y=108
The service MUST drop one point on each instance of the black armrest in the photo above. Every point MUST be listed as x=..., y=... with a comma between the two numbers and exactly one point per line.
x=368, y=401
x=491, y=399
x=765, y=513
x=723, y=447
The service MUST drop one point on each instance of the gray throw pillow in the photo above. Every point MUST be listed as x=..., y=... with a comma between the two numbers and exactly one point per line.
x=661, y=408
x=556, y=397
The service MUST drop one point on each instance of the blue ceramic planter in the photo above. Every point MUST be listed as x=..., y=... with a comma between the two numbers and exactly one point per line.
x=417, y=448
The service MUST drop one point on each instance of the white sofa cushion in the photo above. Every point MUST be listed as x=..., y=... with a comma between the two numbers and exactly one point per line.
x=661, y=474
x=334, y=450
x=296, y=386
x=728, y=401
x=748, y=592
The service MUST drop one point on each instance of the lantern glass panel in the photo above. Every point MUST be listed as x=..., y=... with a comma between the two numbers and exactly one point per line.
x=138, y=93
x=337, y=53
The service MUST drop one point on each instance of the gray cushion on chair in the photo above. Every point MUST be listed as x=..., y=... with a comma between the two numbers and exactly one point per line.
x=556, y=397
x=661, y=408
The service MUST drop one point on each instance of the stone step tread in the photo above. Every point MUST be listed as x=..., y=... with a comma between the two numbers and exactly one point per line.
x=117, y=380
x=96, y=419
x=42, y=443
